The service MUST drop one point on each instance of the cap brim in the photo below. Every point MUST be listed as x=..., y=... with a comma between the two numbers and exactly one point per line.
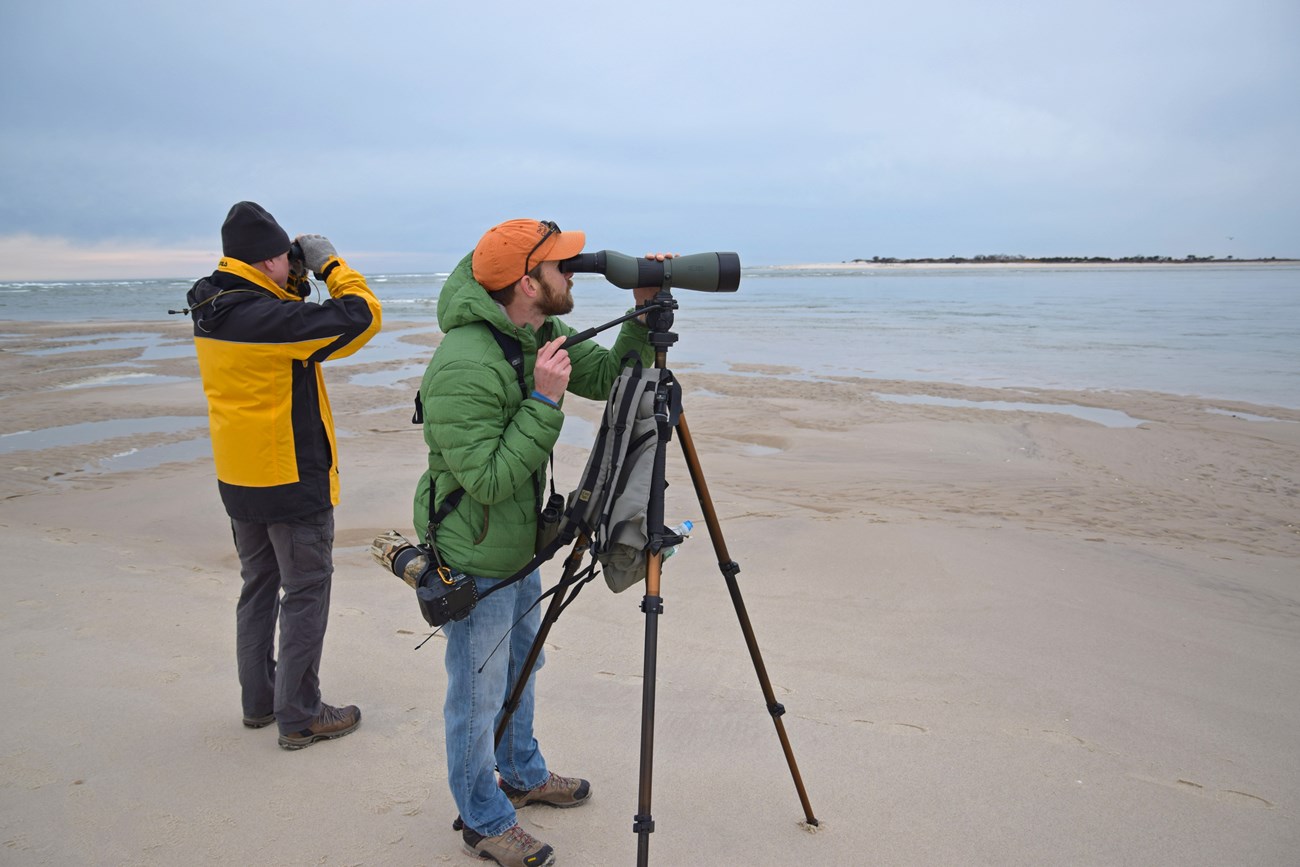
x=562, y=246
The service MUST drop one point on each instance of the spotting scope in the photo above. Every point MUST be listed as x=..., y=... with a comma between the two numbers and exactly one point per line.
x=704, y=272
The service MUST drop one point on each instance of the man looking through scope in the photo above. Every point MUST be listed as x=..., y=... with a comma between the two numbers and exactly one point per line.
x=490, y=428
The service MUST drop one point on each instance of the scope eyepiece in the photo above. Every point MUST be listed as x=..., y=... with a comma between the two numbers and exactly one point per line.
x=703, y=272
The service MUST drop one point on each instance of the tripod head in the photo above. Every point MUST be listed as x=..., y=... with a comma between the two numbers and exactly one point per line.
x=658, y=318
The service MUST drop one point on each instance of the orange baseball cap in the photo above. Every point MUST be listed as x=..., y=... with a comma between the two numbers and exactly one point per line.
x=507, y=251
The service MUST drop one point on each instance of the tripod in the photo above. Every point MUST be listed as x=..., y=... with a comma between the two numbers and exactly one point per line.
x=659, y=319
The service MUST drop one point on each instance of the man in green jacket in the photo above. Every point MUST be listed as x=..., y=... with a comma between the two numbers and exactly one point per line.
x=491, y=438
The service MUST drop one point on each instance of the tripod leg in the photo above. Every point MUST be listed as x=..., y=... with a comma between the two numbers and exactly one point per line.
x=652, y=605
x=729, y=569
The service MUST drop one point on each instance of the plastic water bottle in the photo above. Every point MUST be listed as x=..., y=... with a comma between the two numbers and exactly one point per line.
x=684, y=530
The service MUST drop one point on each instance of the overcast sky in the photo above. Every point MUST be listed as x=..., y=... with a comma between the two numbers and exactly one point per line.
x=789, y=132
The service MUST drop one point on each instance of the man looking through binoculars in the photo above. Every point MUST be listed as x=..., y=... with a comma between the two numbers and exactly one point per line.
x=260, y=345
x=490, y=430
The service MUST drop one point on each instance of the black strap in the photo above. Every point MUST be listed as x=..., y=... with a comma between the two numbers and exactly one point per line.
x=563, y=538
x=448, y=506
x=514, y=354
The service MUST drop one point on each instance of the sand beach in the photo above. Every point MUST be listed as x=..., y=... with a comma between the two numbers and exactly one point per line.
x=1002, y=636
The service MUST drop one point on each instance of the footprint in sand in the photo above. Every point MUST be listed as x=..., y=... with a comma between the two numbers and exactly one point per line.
x=220, y=743
x=1227, y=796
x=1053, y=736
x=1246, y=799
x=408, y=802
x=621, y=678
x=896, y=728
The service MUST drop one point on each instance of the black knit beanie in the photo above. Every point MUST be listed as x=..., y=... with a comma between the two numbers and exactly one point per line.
x=250, y=234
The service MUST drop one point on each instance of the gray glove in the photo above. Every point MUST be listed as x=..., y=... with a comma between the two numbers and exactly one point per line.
x=316, y=251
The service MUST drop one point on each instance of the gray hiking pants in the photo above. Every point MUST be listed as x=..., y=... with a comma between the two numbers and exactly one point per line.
x=295, y=557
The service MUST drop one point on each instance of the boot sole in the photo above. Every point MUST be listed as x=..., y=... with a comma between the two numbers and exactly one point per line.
x=483, y=856
x=289, y=742
x=540, y=803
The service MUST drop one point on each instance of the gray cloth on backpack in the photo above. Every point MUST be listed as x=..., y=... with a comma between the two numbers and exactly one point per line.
x=619, y=474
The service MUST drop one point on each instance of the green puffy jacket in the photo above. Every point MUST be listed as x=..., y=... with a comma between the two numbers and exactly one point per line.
x=482, y=434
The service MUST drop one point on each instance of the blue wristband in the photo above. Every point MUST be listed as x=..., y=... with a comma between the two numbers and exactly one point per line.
x=544, y=399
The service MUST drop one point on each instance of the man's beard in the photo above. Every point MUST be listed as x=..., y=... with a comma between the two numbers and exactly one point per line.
x=553, y=303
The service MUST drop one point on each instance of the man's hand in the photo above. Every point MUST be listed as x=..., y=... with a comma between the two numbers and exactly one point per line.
x=316, y=251
x=646, y=293
x=551, y=372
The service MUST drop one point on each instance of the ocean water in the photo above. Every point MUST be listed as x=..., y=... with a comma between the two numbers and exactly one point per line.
x=1212, y=330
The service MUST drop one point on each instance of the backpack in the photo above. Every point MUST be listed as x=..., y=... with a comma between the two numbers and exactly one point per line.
x=611, y=502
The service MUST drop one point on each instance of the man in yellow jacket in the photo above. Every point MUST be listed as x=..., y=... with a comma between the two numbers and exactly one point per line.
x=260, y=346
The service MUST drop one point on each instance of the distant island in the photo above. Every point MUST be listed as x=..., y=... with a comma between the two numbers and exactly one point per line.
x=1003, y=259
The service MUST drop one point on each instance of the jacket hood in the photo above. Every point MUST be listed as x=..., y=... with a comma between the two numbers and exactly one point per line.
x=212, y=298
x=463, y=300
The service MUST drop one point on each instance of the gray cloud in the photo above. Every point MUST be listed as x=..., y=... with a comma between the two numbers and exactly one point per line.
x=787, y=132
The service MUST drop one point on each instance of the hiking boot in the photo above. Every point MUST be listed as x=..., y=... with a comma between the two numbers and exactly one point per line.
x=331, y=722
x=513, y=848
x=556, y=791
x=258, y=721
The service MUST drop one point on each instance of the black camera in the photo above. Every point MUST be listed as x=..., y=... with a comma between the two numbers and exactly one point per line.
x=442, y=597
x=296, y=259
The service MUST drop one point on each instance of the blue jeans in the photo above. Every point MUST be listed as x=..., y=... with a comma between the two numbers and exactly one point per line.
x=475, y=700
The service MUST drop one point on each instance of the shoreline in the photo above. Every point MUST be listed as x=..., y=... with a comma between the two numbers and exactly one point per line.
x=1031, y=265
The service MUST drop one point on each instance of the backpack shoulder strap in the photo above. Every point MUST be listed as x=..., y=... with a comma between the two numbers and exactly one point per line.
x=514, y=353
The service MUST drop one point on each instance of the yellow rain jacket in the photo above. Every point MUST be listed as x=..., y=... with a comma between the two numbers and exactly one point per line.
x=260, y=349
